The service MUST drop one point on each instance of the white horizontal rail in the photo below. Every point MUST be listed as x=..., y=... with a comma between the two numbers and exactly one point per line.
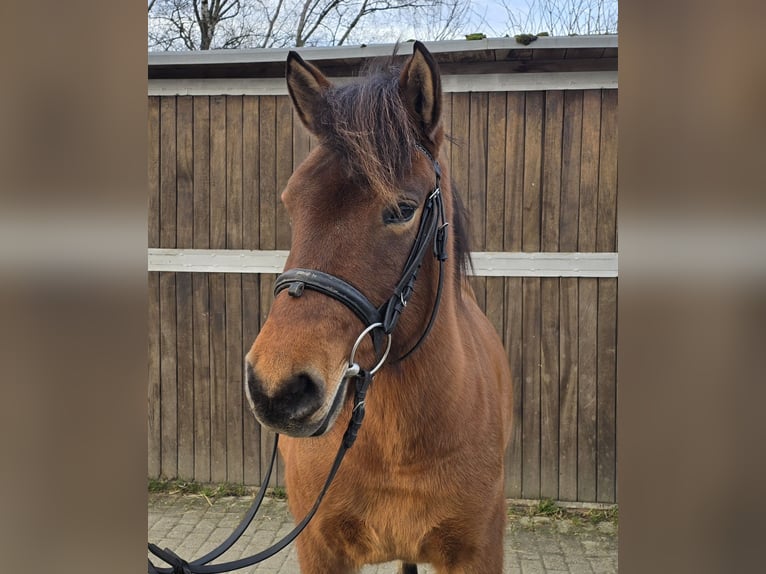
x=530, y=81
x=502, y=264
x=485, y=263
x=519, y=82
x=217, y=260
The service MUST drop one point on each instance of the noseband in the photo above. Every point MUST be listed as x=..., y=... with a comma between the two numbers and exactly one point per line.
x=382, y=320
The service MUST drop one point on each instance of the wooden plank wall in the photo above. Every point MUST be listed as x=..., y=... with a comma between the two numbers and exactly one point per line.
x=538, y=172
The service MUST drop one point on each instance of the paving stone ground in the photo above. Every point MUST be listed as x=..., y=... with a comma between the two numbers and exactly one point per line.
x=190, y=526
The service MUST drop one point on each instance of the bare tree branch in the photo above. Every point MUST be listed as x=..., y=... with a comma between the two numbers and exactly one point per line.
x=304, y=34
x=562, y=17
x=272, y=19
x=207, y=24
x=353, y=23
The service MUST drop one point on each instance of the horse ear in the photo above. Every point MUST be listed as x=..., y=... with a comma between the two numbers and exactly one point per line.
x=421, y=88
x=307, y=86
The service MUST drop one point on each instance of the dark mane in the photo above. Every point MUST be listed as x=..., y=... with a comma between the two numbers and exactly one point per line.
x=368, y=127
x=460, y=229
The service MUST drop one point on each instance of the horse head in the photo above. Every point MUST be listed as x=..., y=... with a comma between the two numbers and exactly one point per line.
x=355, y=206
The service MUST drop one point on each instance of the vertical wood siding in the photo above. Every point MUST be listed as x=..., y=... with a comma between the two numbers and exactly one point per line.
x=538, y=172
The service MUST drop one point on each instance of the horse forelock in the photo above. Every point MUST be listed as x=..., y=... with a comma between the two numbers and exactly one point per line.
x=368, y=128
x=373, y=139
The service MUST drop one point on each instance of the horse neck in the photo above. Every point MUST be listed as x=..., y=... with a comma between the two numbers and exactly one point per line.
x=425, y=389
x=421, y=395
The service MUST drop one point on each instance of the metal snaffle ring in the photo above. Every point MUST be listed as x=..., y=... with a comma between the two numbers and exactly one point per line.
x=359, y=340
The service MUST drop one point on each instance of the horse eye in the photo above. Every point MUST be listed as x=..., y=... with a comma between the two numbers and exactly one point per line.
x=404, y=213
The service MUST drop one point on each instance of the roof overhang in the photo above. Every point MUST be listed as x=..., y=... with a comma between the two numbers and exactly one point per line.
x=486, y=56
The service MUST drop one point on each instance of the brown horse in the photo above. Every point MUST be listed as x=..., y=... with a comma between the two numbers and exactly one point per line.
x=424, y=481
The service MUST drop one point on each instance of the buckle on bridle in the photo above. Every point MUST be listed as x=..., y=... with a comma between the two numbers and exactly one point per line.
x=440, y=242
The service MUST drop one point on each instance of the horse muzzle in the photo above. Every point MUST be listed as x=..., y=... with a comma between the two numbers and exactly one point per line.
x=299, y=406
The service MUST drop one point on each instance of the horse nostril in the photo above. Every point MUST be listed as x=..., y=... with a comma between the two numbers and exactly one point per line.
x=299, y=397
x=295, y=398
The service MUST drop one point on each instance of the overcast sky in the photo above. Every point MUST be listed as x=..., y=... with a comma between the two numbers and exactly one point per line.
x=490, y=17
x=493, y=12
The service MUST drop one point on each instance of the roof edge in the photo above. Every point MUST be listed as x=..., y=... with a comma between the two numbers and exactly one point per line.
x=265, y=55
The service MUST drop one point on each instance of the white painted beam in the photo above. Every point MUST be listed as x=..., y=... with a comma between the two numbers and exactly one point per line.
x=530, y=81
x=486, y=264
x=217, y=260
x=501, y=264
x=517, y=82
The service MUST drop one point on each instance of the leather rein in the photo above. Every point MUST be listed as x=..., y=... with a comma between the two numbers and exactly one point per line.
x=379, y=323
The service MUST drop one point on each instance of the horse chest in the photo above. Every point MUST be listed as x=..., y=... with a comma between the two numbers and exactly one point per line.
x=384, y=516
x=382, y=527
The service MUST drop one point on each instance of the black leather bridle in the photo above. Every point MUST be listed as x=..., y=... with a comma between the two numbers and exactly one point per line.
x=432, y=230
x=379, y=322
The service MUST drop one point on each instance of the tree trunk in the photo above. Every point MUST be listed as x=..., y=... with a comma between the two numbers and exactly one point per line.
x=206, y=26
